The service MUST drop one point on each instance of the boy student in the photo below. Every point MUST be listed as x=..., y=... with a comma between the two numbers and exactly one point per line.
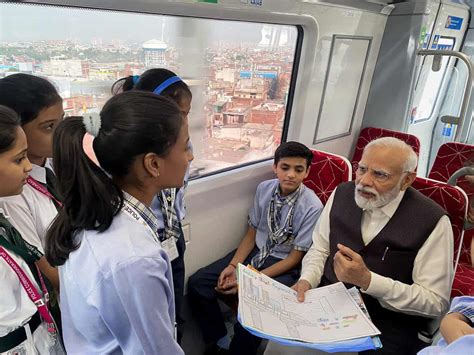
x=281, y=224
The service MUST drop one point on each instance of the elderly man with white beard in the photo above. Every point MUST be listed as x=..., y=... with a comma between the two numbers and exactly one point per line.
x=390, y=241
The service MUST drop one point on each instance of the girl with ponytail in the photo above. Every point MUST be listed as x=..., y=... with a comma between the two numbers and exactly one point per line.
x=168, y=206
x=116, y=283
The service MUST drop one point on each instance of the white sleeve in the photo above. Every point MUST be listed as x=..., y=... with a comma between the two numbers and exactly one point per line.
x=20, y=216
x=315, y=258
x=432, y=277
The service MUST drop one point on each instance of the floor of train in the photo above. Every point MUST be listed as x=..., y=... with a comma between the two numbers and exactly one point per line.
x=192, y=343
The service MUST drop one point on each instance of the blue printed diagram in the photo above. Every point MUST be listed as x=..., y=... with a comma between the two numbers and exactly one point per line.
x=328, y=314
x=284, y=308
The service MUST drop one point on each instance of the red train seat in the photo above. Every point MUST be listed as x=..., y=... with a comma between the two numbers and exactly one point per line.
x=369, y=134
x=327, y=172
x=451, y=157
x=454, y=200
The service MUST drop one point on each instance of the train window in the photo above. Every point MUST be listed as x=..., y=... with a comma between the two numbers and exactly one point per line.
x=241, y=74
x=429, y=84
x=347, y=63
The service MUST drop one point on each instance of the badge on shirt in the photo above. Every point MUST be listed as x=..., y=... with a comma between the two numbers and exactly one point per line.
x=170, y=247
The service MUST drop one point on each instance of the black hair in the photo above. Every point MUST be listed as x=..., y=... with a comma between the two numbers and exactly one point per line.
x=293, y=149
x=27, y=95
x=9, y=123
x=150, y=80
x=132, y=124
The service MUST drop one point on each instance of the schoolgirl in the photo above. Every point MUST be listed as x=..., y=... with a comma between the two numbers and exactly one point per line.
x=26, y=326
x=39, y=107
x=116, y=283
x=168, y=206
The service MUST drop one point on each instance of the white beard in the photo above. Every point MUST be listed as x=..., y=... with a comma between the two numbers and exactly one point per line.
x=378, y=200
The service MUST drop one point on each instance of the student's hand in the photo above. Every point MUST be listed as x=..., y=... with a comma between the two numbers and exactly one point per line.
x=229, y=289
x=453, y=326
x=227, y=282
x=301, y=287
x=227, y=274
x=350, y=267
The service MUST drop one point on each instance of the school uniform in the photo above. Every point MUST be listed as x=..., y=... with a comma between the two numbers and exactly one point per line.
x=282, y=224
x=117, y=289
x=463, y=345
x=169, y=209
x=32, y=212
x=22, y=330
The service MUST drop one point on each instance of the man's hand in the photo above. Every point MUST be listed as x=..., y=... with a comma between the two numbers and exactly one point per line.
x=350, y=267
x=453, y=326
x=227, y=282
x=301, y=287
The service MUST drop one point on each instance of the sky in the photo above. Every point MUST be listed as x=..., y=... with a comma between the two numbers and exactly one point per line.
x=21, y=22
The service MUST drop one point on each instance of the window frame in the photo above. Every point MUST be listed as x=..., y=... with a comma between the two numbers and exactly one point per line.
x=335, y=37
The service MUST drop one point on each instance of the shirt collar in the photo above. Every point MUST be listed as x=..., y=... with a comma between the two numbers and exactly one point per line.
x=142, y=210
x=390, y=208
x=291, y=198
x=38, y=173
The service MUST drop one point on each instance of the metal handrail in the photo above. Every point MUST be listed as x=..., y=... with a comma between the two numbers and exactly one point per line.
x=467, y=90
x=452, y=181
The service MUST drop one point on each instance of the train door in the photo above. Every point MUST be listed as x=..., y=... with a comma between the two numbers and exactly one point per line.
x=452, y=104
x=439, y=85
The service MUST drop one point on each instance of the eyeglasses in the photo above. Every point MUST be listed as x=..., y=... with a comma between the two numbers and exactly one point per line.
x=378, y=175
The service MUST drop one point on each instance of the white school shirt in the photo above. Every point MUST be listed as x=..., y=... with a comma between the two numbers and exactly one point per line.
x=31, y=212
x=16, y=308
x=432, y=270
x=117, y=293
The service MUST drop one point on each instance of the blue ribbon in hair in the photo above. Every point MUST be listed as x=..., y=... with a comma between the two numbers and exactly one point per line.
x=165, y=84
x=135, y=79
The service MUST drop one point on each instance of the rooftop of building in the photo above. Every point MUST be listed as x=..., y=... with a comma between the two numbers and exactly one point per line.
x=154, y=44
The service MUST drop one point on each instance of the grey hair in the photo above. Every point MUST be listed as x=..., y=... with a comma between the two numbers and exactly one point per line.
x=392, y=142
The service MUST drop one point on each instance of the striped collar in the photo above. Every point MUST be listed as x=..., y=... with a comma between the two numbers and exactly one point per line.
x=144, y=211
x=289, y=199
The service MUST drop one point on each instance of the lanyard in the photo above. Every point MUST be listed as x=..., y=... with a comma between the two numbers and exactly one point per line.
x=169, y=205
x=38, y=187
x=31, y=290
x=133, y=214
x=271, y=220
x=288, y=220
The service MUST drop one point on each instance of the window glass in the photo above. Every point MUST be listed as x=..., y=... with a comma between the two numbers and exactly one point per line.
x=347, y=62
x=239, y=73
x=429, y=85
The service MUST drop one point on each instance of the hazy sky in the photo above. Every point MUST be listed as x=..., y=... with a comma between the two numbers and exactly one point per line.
x=19, y=22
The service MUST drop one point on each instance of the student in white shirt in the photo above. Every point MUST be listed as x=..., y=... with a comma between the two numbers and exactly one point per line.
x=39, y=106
x=23, y=325
x=116, y=282
x=168, y=206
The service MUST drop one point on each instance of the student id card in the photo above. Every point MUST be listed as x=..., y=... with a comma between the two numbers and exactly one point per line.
x=170, y=247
